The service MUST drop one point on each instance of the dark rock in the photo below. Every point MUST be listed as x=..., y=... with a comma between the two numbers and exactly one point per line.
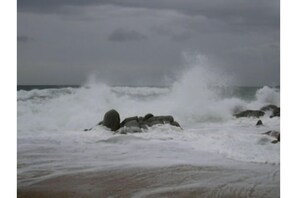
x=276, y=112
x=112, y=120
x=155, y=122
x=147, y=116
x=174, y=123
x=163, y=119
x=269, y=108
x=130, y=127
x=274, y=141
x=132, y=123
x=128, y=120
x=140, y=119
x=135, y=124
x=249, y=113
x=259, y=123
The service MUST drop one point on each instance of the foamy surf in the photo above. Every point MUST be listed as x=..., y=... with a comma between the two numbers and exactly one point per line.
x=51, y=139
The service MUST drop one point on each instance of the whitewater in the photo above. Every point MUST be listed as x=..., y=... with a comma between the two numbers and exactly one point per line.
x=51, y=139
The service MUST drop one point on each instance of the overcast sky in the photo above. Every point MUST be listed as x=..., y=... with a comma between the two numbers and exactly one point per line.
x=141, y=42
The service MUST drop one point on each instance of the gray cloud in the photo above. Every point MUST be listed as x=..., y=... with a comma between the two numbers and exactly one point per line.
x=252, y=12
x=75, y=38
x=120, y=35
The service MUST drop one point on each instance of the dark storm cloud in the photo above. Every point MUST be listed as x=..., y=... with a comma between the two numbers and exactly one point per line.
x=120, y=35
x=76, y=37
x=251, y=12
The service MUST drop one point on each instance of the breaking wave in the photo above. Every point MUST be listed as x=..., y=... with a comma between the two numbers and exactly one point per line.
x=198, y=96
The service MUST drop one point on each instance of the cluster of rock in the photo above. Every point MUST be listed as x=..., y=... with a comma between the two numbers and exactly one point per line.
x=259, y=113
x=134, y=124
x=137, y=124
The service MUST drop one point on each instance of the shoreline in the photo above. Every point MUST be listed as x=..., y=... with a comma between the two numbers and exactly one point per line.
x=246, y=180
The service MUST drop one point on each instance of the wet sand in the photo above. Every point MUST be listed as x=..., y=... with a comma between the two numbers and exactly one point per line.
x=174, y=181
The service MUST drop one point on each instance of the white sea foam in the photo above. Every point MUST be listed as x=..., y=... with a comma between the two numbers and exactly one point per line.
x=51, y=123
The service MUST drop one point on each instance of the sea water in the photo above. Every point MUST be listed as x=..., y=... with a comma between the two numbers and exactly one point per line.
x=51, y=120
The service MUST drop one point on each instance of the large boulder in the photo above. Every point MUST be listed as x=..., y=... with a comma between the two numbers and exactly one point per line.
x=275, y=110
x=269, y=108
x=148, y=116
x=128, y=120
x=250, y=113
x=132, y=123
x=138, y=124
x=112, y=120
x=131, y=126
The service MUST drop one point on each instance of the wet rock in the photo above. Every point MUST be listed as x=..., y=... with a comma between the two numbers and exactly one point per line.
x=131, y=126
x=259, y=123
x=140, y=119
x=128, y=120
x=174, y=123
x=155, y=122
x=275, y=113
x=163, y=119
x=112, y=120
x=148, y=116
x=269, y=108
x=250, y=113
x=274, y=141
x=275, y=110
x=132, y=123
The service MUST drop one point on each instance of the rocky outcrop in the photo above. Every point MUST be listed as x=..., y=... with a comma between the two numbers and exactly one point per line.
x=250, y=113
x=269, y=108
x=275, y=110
x=258, y=113
x=134, y=124
x=138, y=124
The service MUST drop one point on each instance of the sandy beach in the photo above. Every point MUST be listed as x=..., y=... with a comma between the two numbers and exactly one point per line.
x=174, y=181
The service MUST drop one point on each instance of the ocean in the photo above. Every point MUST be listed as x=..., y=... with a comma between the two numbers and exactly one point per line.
x=51, y=140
